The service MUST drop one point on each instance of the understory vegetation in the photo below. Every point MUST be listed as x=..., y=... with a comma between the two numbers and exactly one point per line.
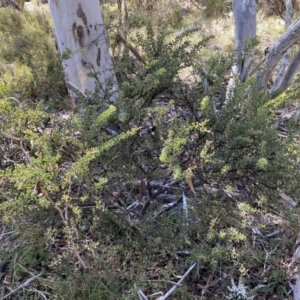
x=101, y=200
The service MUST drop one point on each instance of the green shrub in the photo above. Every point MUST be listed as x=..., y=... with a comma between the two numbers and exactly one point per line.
x=215, y=8
x=66, y=180
x=30, y=65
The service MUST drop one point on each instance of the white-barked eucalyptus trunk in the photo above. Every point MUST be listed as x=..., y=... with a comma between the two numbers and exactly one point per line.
x=244, y=12
x=79, y=27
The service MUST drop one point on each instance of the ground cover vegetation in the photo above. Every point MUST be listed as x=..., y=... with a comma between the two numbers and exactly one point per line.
x=113, y=201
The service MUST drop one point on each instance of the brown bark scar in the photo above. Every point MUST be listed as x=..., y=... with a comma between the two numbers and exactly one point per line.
x=81, y=14
x=74, y=29
x=98, y=57
x=86, y=64
x=80, y=35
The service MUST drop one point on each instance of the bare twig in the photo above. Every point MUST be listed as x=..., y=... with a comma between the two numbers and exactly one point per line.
x=178, y=283
x=141, y=295
x=185, y=208
x=167, y=208
x=195, y=4
x=205, y=75
x=8, y=136
x=27, y=282
x=16, y=141
x=272, y=233
x=133, y=50
x=41, y=293
x=4, y=234
x=83, y=264
x=65, y=222
x=64, y=218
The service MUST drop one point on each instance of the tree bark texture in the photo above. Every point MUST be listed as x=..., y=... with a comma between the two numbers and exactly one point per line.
x=275, y=53
x=244, y=12
x=79, y=27
x=285, y=59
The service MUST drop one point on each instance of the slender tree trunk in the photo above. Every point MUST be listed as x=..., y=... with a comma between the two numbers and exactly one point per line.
x=285, y=59
x=275, y=53
x=244, y=12
x=79, y=27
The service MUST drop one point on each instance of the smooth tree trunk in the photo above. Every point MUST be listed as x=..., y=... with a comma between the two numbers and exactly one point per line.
x=244, y=12
x=275, y=53
x=245, y=30
x=285, y=59
x=285, y=77
x=79, y=27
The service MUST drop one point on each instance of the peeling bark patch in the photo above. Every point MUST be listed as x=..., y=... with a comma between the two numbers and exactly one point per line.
x=80, y=35
x=81, y=14
x=98, y=57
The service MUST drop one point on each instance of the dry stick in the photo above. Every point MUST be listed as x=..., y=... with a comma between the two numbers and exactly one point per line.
x=10, y=136
x=185, y=208
x=64, y=219
x=4, y=234
x=41, y=293
x=195, y=4
x=141, y=295
x=22, y=285
x=168, y=208
x=204, y=74
x=83, y=264
x=65, y=222
x=175, y=286
x=156, y=294
x=133, y=50
x=15, y=139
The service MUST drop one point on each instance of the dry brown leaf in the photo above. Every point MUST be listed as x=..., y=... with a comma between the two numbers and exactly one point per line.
x=287, y=200
x=190, y=183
